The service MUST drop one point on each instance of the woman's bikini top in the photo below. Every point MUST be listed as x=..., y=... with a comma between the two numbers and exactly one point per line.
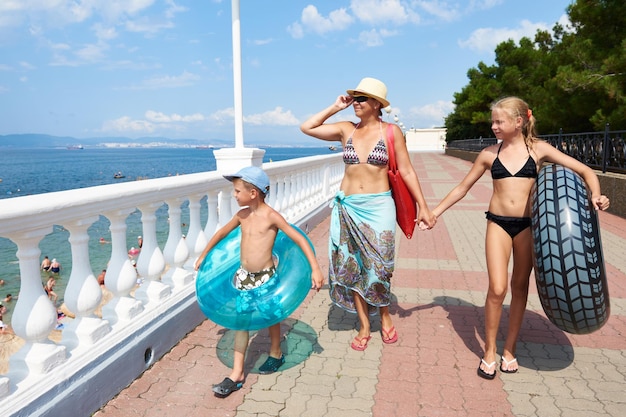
x=499, y=171
x=378, y=155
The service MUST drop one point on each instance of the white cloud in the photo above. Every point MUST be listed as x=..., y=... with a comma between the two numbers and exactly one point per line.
x=158, y=117
x=127, y=125
x=167, y=81
x=374, y=37
x=379, y=12
x=430, y=115
x=486, y=39
x=442, y=10
x=154, y=121
x=26, y=65
x=296, y=30
x=223, y=116
x=313, y=21
x=276, y=117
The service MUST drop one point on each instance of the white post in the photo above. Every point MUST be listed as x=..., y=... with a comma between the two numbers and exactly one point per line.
x=233, y=159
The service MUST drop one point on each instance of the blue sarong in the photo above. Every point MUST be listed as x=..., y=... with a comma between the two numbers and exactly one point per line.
x=361, y=249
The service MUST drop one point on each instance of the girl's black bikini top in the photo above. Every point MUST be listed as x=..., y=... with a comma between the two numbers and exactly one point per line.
x=378, y=155
x=499, y=171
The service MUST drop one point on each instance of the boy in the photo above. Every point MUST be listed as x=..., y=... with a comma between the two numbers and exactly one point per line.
x=259, y=226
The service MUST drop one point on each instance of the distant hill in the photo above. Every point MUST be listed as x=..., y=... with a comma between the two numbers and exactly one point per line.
x=35, y=140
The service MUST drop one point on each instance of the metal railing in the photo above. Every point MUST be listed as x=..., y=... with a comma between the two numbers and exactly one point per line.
x=603, y=151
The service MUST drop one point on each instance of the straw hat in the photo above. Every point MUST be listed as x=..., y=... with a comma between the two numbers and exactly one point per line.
x=371, y=87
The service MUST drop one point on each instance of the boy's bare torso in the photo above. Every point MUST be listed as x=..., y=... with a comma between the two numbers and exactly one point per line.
x=258, y=232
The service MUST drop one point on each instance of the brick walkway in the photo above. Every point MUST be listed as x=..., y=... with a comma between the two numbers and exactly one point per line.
x=439, y=288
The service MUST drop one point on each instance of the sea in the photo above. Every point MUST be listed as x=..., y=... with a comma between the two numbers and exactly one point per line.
x=28, y=171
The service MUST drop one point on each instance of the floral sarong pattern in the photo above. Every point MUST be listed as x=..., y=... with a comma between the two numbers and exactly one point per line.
x=361, y=249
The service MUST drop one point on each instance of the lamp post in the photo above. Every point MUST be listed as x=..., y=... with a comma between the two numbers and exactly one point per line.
x=232, y=159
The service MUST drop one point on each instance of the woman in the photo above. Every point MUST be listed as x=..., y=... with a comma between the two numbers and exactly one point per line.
x=513, y=164
x=363, y=223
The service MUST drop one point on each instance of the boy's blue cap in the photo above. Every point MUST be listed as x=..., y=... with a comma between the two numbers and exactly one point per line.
x=253, y=175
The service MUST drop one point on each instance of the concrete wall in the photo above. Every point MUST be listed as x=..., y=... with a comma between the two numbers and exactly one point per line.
x=421, y=140
x=612, y=185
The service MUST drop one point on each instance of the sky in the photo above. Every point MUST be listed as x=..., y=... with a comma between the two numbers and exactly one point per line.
x=164, y=68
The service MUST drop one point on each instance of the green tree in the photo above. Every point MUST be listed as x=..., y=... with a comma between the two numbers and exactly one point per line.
x=573, y=79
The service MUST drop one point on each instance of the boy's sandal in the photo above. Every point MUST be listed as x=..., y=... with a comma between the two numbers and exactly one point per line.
x=504, y=366
x=226, y=387
x=271, y=365
x=387, y=338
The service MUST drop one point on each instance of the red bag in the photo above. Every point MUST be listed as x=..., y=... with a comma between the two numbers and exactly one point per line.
x=406, y=211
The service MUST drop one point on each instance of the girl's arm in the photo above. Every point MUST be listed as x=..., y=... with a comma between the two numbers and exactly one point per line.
x=217, y=236
x=479, y=167
x=315, y=126
x=548, y=153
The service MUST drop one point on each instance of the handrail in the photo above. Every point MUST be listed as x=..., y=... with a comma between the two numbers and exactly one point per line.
x=140, y=323
x=603, y=151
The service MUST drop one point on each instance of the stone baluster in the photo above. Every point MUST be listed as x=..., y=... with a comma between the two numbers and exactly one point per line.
x=176, y=251
x=276, y=192
x=225, y=207
x=121, y=275
x=196, y=240
x=212, y=215
x=290, y=194
x=34, y=316
x=300, y=190
x=82, y=294
x=151, y=263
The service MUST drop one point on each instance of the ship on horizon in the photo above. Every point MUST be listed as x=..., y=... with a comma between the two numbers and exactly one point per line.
x=74, y=147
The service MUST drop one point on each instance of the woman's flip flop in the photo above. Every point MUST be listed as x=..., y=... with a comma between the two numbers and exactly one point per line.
x=360, y=344
x=387, y=338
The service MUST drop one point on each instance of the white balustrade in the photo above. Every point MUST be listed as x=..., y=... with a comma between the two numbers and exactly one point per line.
x=121, y=275
x=82, y=294
x=141, y=322
x=176, y=251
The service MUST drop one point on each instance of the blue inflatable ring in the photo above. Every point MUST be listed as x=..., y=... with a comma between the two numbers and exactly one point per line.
x=569, y=264
x=260, y=307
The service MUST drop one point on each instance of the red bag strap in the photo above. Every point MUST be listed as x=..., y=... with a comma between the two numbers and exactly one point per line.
x=390, y=148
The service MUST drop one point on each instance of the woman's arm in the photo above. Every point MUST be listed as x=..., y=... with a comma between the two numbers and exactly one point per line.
x=315, y=126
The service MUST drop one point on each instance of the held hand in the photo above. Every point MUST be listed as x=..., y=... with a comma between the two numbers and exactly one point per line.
x=426, y=220
x=601, y=203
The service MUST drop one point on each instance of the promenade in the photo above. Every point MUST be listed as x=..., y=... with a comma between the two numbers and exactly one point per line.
x=439, y=289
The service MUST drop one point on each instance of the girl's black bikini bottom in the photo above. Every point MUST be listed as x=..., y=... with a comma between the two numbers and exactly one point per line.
x=511, y=225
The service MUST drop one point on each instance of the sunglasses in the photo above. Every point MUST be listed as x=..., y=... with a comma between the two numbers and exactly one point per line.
x=360, y=99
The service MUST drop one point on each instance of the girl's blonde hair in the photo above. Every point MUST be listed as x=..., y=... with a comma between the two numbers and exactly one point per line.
x=516, y=107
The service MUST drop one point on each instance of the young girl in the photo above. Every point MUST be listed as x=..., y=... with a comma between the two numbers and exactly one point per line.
x=514, y=164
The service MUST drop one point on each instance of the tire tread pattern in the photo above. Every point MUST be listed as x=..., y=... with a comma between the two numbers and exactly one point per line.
x=568, y=260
